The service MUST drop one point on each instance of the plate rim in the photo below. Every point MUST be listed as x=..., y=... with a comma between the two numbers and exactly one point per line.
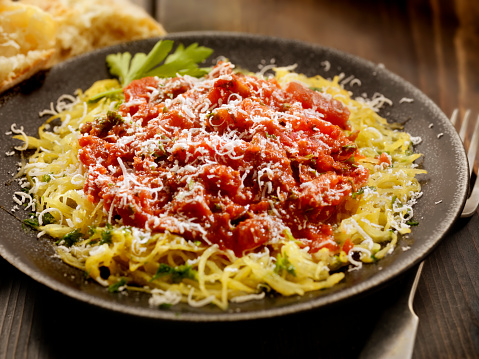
x=317, y=302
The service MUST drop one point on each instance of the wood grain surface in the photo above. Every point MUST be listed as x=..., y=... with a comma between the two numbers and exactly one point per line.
x=434, y=45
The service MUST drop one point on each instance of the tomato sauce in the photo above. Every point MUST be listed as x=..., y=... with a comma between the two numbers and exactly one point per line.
x=229, y=159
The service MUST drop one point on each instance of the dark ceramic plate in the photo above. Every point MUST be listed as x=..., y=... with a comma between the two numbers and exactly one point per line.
x=444, y=187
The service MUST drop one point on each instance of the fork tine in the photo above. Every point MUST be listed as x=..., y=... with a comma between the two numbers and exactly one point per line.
x=464, y=125
x=472, y=202
x=454, y=117
x=471, y=154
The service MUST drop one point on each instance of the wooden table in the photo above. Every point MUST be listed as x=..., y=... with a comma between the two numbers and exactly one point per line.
x=434, y=45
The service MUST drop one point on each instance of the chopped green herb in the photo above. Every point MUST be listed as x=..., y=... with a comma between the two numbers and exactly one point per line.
x=357, y=193
x=283, y=264
x=105, y=123
x=349, y=147
x=92, y=230
x=106, y=234
x=361, y=191
x=177, y=273
x=47, y=218
x=115, y=287
x=114, y=118
x=394, y=200
x=352, y=161
x=71, y=238
x=33, y=221
x=46, y=178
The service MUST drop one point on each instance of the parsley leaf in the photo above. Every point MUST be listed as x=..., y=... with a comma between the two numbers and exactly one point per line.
x=183, y=61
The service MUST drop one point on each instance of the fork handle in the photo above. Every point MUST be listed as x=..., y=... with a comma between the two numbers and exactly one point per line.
x=395, y=333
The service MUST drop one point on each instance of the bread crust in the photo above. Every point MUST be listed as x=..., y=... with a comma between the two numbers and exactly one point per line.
x=27, y=37
x=36, y=64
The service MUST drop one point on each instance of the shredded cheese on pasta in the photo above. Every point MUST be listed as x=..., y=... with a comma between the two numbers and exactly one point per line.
x=125, y=257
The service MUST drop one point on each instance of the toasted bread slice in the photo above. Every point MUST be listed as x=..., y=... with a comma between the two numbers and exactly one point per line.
x=27, y=38
x=37, y=34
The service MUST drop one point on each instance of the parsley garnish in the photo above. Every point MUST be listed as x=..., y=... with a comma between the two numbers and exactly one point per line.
x=361, y=191
x=273, y=136
x=46, y=178
x=47, y=218
x=283, y=264
x=349, y=147
x=352, y=161
x=71, y=238
x=183, y=61
x=177, y=273
x=106, y=234
x=30, y=222
x=394, y=200
x=115, y=287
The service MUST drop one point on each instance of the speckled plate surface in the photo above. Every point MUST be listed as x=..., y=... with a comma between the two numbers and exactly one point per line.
x=444, y=187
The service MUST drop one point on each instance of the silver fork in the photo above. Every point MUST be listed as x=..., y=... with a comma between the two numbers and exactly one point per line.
x=395, y=333
x=472, y=202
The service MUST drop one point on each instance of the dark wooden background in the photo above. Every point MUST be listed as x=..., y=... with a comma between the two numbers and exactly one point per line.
x=434, y=44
